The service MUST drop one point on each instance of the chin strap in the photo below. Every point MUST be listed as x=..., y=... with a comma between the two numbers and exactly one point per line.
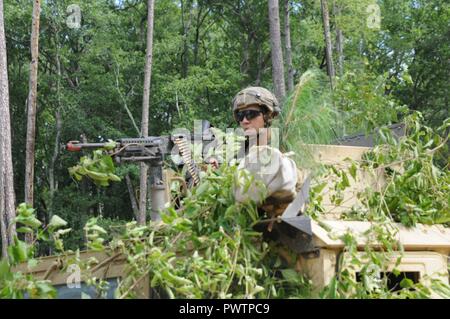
x=268, y=117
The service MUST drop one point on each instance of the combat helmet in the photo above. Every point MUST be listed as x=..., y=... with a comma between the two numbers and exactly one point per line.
x=256, y=95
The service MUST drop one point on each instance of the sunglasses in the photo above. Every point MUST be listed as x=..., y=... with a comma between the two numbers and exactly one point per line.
x=248, y=114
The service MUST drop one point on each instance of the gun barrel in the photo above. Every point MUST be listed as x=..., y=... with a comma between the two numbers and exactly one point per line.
x=75, y=146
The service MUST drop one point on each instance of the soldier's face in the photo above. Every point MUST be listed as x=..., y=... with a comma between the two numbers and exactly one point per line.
x=255, y=123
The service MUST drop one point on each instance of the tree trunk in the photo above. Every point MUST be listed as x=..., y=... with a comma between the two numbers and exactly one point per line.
x=245, y=64
x=339, y=40
x=287, y=43
x=198, y=25
x=328, y=48
x=7, y=196
x=134, y=204
x=145, y=111
x=260, y=65
x=32, y=101
x=51, y=172
x=277, y=54
x=186, y=30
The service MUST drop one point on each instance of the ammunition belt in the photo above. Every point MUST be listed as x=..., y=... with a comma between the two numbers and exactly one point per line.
x=185, y=152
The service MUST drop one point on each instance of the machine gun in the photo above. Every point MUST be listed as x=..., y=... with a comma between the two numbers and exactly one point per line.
x=153, y=150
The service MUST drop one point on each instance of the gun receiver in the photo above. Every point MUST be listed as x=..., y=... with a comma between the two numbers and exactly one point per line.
x=130, y=149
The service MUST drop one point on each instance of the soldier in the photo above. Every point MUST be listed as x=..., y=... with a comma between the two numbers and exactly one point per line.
x=254, y=108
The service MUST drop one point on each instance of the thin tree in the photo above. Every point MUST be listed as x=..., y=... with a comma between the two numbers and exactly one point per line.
x=186, y=9
x=32, y=106
x=328, y=47
x=52, y=180
x=145, y=110
x=288, y=49
x=277, y=53
x=7, y=196
x=339, y=39
x=134, y=204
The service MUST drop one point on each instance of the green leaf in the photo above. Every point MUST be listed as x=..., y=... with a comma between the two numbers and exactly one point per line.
x=114, y=177
x=110, y=145
x=102, y=183
x=407, y=78
x=203, y=187
x=63, y=231
x=352, y=171
x=18, y=252
x=24, y=230
x=98, y=177
x=56, y=222
x=59, y=245
x=5, y=271
x=291, y=275
x=97, y=228
x=97, y=246
x=406, y=283
x=42, y=236
x=345, y=182
x=319, y=188
x=45, y=290
x=107, y=162
x=24, y=210
x=230, y=211
x=30, y=221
